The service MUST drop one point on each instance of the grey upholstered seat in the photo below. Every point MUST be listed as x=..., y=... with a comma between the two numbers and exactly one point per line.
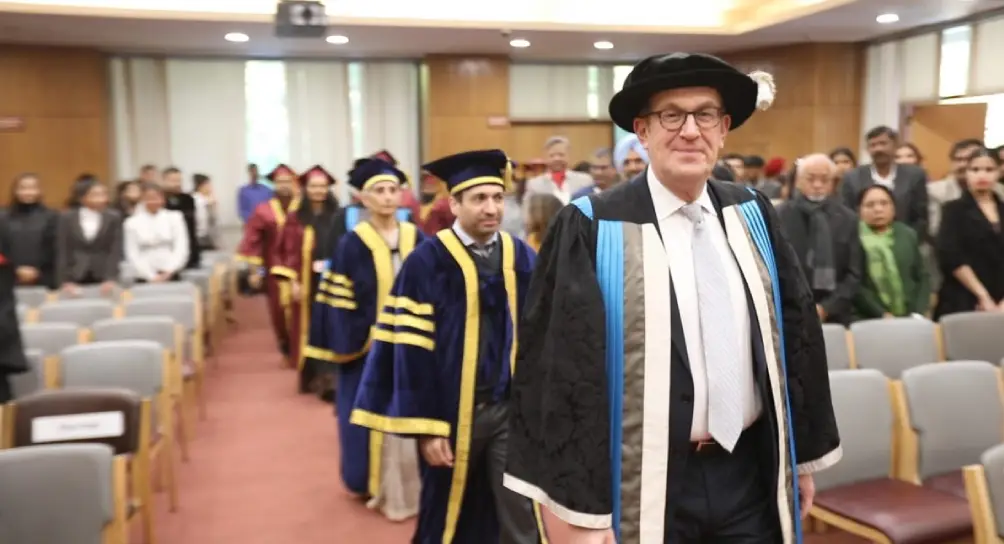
x=894, y=345
x=91, y=292
x=58, y=494
x=31, y=381
x=974, y=336
x=838, y=356
x=136, y=365
x=31, y=296
x=955, y=409
x=83, y=312
x=160, y=329
x=50, y=338
x=165, y=289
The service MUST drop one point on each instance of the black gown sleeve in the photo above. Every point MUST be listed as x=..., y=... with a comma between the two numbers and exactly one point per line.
x=817, y=442
x=12, y=359
x=559, y=445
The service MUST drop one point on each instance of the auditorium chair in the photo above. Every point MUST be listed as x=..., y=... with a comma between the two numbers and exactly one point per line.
x=860, y=494
x=116, y=418
x=839, y=347
x=82, y=312
x=973, y=336
x=139, y=366
x=51, y=339
x=63, y=494
x=985, y=490
x=170, y=336
x=90, y=292
x=32, y=296
x=894, y=345
x=26, y=383
x=947, y=416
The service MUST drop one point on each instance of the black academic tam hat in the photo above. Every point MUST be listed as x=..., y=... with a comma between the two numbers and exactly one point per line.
x=316, y=170
x=471, y=168
x=373, y=171
x=741, y=93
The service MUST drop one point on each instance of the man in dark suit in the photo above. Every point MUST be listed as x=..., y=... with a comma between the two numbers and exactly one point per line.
x=907, y=182
x=183, y=202
x=12, y=359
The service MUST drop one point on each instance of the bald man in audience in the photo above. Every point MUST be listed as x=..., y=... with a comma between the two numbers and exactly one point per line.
x=559, y=180
x=824, y=233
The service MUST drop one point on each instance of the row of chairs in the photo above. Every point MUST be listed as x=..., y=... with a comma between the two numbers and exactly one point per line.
x=905, y=444
x=895, y=345
x=91, y=433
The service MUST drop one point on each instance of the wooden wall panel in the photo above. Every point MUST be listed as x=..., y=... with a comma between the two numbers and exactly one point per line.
x=935, y=128
x=63, y=97
x=526, y=140
x=818, y=105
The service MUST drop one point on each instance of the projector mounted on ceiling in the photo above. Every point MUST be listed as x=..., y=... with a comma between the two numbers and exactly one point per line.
x=300, y=19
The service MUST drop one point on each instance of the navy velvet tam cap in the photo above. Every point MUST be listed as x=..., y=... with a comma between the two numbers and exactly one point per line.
x=741, y=93
x=373, y=171
x=472, y=168
x=316, y=170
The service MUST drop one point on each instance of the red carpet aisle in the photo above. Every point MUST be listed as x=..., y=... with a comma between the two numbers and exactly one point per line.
x=264, y=465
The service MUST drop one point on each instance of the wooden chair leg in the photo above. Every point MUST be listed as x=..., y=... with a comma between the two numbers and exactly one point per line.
x=184, y=431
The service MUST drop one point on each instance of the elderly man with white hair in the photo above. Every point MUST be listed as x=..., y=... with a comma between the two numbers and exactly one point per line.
x=559, y=180
x=671, y=382
x=824, y=233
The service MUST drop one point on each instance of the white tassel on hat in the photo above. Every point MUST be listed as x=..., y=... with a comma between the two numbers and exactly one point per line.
x=765, y=89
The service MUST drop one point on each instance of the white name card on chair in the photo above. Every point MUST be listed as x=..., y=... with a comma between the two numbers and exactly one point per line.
x=77, y=427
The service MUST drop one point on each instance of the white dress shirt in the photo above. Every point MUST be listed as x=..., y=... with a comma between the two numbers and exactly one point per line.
x=201, y=215
x=888, y=181
x=90, y=223
x=470, y=243
x=156, y=243
x=677, y=237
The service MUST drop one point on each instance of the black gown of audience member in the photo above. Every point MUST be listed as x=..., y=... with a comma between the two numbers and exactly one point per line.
x=178, y=200
x=32, y=234
x=12, y=359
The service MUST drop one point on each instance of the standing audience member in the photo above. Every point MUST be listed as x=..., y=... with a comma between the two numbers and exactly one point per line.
x=824, y=235
x=951, y=188
x=736, y=163
x=88, y=240
x=908, y=182
x=434, y=214
x=558, y=180
x=156, y=240
x=205, y=212
x=908, y=153
x=127, y=196
x=33, y=228
x=601, y=169
x=845, y=160
x=148, y=174
x=540, y=209
x=630, y=157
x=180, y=201
x=894, y=280
x=971, y=243
x=252, y=194
x=12, y=359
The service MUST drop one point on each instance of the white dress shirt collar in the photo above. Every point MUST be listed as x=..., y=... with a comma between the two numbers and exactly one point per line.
x=666, y=203
x=469, y=240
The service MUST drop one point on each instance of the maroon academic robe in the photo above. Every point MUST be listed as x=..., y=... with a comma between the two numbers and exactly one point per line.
x=436, y=216
x=295, y=262
x=258, y=247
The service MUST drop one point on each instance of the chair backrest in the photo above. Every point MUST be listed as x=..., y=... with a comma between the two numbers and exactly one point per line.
x=180, y=308
x=166, y=289
x=82, y=312
x=955, y=409
x=109, y=416
x=136, y=365
x=894, y=345
x=90, y=292
x=31, y=381
x=863, y=408
x=22, y=312
x=211, y=258
x=160, y=329
x=31, y=296
x=200, y=278
x=993, y=468
x=838, y=355
x=56, y=494
x=50, y=338
x=974, y=336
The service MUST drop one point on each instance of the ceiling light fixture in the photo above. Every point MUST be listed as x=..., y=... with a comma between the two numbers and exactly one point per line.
x=603, y=45
x=337, y=40
x=519, y=43
x=236, y=37
x=887, y=18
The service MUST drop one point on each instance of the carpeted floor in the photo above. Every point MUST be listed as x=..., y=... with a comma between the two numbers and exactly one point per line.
x=264, y=465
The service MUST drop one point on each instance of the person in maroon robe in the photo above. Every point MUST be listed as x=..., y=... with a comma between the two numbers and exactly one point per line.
x=258, y=249
x=435, y=214
x=300, y=259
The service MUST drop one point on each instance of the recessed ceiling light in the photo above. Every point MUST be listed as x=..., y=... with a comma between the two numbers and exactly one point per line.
x=238, y=37
x=887, y=18
x=520, y=43
x=603, y=45
x=337, y=40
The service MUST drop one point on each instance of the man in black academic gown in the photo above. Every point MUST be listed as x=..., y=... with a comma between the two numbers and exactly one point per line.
x=179, y=200
x=12, y=359
x=671, y=383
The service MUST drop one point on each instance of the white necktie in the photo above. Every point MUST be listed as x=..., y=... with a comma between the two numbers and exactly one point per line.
x=725, y=414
